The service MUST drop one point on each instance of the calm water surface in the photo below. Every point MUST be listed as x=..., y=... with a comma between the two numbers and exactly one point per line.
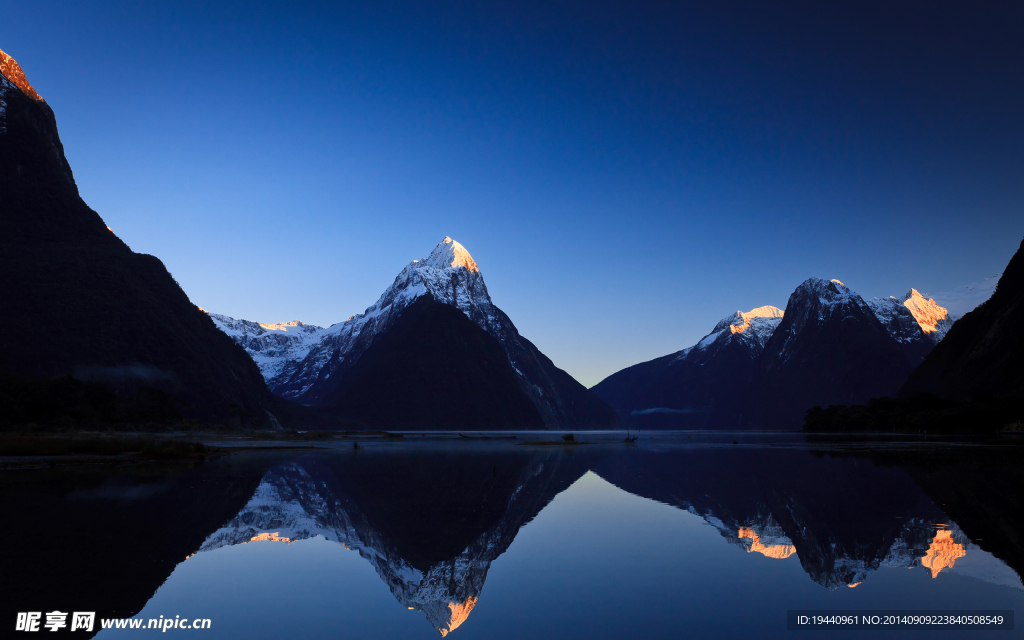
x=683, y=534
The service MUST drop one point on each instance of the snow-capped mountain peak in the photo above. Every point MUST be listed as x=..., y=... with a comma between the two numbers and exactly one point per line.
x=904, y=316
x=932, y=317
x=450, y=254
x=743, y=320
x=753, y=327
x=449, y=275
x=292, y=355
x=817, y=299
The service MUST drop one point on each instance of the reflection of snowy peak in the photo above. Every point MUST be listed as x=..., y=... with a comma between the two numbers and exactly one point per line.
x=293, y=504
x=300, y=500
x=920, y=543
x=758, y=534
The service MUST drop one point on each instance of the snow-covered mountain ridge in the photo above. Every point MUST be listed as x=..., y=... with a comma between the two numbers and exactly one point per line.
x=274, y=347
x=907, y=318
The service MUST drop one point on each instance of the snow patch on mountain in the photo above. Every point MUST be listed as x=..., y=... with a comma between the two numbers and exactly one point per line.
x=756, y=325
x=752, y=327
x=276, y=348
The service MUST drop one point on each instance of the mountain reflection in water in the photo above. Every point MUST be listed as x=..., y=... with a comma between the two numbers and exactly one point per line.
x=430, y=524
x=432, y=520
x=842, y=517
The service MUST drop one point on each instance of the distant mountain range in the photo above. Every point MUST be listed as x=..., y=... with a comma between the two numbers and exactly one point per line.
x=432, y=353
x=764, y=368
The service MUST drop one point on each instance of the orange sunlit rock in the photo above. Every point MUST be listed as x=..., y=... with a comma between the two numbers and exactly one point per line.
x=272, y=537
x=280, y=325
x=926, y=311
x=460, y=257
x=777, y=551
x=943, y=552
x=459, y=614
x=12, y=71
x=760, y=312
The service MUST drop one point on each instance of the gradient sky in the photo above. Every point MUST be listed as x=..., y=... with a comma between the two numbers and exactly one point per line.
x=625, y=174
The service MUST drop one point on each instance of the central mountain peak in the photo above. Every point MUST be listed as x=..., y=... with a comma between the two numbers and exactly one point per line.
x=415, y=328
x=450, y=254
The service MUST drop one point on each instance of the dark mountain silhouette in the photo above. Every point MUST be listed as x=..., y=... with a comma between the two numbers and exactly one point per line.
x=972, y=382
x=433, y=368
x=765, y=368
x=131, y=527
x=77, y=301
x=829, y=349
x=983, y=353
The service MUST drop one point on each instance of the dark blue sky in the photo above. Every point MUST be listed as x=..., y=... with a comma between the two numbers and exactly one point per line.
x=624, y=173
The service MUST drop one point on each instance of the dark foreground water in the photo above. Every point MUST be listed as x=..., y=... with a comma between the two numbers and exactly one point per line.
x=683, y=535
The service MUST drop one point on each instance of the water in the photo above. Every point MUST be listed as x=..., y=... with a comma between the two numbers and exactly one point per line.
x=683, y=534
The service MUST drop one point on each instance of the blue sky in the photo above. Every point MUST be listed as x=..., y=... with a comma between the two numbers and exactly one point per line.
x=625, y=174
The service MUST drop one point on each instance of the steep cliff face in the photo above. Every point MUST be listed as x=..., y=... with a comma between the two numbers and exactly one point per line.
x=77, y=301
x=982, y=353
x=319, y=373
